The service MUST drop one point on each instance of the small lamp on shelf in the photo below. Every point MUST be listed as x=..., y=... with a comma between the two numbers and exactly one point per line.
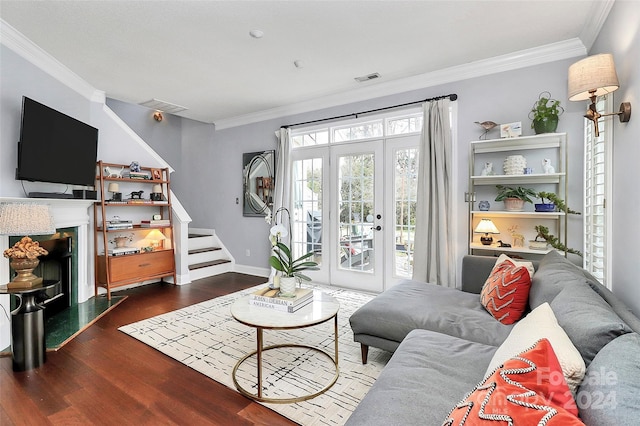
x=114, y=189
x=23, y=219
x=156, y=193
x=156, y=237
x=486, y=227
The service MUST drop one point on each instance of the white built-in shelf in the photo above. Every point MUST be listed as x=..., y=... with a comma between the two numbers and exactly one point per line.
x=495, y=247
x=520, y=215
x=547, y=140
x=513, y=179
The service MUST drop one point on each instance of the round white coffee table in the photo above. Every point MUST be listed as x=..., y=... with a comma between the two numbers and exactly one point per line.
x=322, y=309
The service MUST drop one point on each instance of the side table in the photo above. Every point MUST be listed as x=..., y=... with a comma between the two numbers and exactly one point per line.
x=28, y=347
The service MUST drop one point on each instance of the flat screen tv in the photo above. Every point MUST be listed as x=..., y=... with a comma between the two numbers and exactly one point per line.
x=54, y=147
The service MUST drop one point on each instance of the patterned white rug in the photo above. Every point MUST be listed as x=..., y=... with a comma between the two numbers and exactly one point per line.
x=206, y=338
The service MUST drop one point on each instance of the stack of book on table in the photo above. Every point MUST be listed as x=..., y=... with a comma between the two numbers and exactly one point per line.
x=159, y=223
x=121, y=251
x=268, y=298
x=136, y=175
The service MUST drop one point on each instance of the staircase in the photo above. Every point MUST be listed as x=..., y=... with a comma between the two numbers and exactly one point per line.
x=206, y=256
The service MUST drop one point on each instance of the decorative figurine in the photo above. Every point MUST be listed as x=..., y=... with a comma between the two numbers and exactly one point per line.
x=136, y=194
x=484, y=205
x=487, y=170
x=487, y=126
x=134, y=166
x=547, y=167
x=113, y=174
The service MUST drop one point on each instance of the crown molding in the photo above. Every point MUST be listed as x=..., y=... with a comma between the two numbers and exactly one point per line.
x=597, y=17
x=17, y=42
x=524, y=58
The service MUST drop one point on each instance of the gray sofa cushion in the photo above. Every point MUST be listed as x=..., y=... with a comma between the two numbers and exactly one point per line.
x=587, y=319
x=428, y=373
x=609, y=392
x=554, y=273
x=417, y=305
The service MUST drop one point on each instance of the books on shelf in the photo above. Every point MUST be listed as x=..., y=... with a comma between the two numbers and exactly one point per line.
x=268, y=298
x=160, y=223
x=136, y=175
x=119, y=224
x=121, y=251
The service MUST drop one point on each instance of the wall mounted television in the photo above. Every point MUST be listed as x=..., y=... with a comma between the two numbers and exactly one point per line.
x=54, y=147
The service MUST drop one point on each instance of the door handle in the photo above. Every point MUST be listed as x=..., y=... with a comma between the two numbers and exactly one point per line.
x=377, y=228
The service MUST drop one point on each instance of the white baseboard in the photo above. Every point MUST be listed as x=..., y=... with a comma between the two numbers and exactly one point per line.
x=252, y=270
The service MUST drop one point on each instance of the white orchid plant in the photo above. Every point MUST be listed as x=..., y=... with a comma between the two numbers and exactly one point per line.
x=282, y=260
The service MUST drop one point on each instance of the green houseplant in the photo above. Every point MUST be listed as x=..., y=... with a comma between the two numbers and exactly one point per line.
x=545, y=114
x=553, y=202
x=514, y=198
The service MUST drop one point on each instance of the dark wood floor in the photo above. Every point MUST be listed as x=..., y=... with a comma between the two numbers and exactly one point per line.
x=105, y=377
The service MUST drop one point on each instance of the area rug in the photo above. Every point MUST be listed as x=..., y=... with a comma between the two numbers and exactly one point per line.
x=206, y=338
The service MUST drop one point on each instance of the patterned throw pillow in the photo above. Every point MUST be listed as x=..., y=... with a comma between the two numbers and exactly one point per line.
x=528, y=390
x=506, y=291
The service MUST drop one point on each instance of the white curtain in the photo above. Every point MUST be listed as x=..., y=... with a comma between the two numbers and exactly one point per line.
x=282, y=186
x=282, y=189
x=434, y=253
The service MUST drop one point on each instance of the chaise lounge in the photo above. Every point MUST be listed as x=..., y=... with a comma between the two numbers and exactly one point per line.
x=445, y=342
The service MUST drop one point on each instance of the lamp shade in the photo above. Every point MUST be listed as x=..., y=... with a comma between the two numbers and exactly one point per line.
x=25, y=219
x=157, y=189
x=486, y=226
x=155, y=235
x=592, y=75
x=113, y=187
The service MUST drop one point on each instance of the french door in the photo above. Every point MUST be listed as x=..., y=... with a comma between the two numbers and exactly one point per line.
x=354, y=206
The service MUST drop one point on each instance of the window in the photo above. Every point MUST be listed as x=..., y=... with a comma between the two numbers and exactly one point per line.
x=597, y=188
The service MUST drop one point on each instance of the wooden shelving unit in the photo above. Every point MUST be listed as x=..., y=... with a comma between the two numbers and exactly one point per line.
x=113, y=271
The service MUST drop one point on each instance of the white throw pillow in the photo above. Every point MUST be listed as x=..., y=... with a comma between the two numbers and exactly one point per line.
x=541, y=322
x=527, y=265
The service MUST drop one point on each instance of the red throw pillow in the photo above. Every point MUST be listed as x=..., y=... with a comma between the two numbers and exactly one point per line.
x=529, y=389
x=506, y=291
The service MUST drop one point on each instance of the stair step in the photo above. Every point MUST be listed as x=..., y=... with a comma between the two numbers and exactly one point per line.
x=206, y=264
x=204, y=250
x=198, y=235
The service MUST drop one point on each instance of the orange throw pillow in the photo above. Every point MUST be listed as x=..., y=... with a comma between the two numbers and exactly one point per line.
x=506, y=292
x=529, y=389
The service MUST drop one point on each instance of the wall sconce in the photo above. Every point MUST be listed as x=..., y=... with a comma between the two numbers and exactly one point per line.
x=486, y=227
x=158, y=116
x=595, y=76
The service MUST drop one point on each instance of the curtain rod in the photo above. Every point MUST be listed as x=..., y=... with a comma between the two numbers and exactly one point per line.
x=452, y=97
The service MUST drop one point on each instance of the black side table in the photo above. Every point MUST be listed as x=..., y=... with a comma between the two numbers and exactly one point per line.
x=28, y=345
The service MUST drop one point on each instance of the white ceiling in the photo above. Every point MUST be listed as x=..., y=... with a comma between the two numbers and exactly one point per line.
x=199, y=54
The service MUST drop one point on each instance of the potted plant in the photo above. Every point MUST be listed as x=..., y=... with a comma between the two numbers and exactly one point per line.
x=553, y=202
x=545, y=114
x=547, y=238
x=282, y=261
x=514, y=198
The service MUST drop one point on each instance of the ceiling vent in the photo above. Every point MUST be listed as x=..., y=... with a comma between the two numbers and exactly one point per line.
x=368, y=77
x=163, y=106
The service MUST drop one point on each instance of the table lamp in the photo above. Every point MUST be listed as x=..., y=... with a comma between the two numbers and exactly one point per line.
x=486, y=227
x=23, y=219
x=114, y=189
x=156, y=193
x=156, y=237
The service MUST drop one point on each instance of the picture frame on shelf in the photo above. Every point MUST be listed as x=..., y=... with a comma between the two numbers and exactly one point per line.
x=511, y=130
x=156, y=174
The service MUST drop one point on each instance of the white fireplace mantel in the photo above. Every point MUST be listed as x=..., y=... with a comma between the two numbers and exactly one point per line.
x=67, y=213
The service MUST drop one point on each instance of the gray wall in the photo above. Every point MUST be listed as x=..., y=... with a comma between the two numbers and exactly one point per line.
x=209, y=165
x=621, y=37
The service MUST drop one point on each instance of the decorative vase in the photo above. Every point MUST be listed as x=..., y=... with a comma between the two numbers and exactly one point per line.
x=546, y=125
x=484, y=205
x=121, y=241
x=514, y=165
x=288, y=286
x=513, y=204
x=24, y=269
x=545, y=208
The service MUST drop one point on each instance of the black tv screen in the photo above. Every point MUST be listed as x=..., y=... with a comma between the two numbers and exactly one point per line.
x=54, y=147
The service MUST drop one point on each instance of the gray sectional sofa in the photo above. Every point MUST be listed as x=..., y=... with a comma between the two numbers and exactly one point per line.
x=443, y=341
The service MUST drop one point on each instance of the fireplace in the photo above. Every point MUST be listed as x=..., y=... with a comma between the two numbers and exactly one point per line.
x=57, y=265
